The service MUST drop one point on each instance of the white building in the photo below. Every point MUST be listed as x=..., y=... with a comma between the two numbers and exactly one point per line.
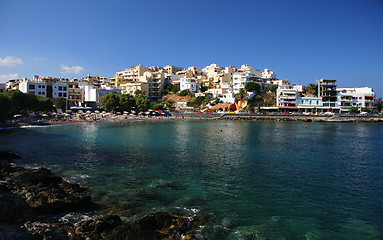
x=362, y=97
x=287, y=97
x=189, y=83
x=241, y=78
x=93, y=94
x=267, y=74
x=37, y=88
x=247, y=69
x=59, y=89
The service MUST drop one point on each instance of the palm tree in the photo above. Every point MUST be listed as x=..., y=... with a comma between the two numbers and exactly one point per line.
x=313, y=89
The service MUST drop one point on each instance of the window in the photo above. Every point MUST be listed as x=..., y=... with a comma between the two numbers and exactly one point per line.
x=39, y=93
x=64, y=88
x=64, y=94
x=43, y=86
x=60, y=88
x=60, y=94
x=39, y=86
x=31, y=86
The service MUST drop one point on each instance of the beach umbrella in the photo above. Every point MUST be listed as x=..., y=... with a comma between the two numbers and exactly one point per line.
x=97, y=111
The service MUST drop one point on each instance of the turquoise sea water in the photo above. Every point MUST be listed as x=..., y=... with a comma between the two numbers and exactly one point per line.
x=256, y=180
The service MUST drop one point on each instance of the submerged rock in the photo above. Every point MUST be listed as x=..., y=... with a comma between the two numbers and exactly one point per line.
x=161, y=225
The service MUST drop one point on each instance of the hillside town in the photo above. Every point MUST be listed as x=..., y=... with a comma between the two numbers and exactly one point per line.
x=230, y=89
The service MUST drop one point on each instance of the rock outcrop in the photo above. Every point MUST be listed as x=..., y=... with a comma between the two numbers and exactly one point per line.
x=30, y=197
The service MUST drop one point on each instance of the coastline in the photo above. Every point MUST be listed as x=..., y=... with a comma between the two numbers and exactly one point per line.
x=118, y=119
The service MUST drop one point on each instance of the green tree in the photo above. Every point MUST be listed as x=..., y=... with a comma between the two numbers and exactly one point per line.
x=175, y=88
x=19, y=101
x=60, y=103
x=157, y=106
x=184, y=92
x=313, y=89
x=252, y=87
x=126, y=102
x=45, y=104
x=203, y=89
x=365, y=109
x=110, y=102
x=142, y=103
x=5, y=107
x=379, y=105
x=242, y=93
x=353, y=110
x=273, y=88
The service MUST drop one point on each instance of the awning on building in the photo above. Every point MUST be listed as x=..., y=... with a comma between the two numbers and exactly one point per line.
x=288, y=107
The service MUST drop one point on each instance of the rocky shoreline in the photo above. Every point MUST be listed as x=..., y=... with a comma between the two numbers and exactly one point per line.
x=31, y=201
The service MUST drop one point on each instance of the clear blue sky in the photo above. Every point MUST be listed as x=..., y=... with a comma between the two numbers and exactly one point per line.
x=300, y=40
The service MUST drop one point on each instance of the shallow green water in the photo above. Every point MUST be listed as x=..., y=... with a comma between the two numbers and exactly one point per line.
x=257, y=180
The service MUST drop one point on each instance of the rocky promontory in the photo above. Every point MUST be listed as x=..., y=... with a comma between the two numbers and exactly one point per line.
x=31, y=201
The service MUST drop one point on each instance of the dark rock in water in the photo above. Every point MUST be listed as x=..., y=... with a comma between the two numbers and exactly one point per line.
x=44, y=192
x=126, y=210
x=41, y=176
x=41, y=230
x=26, y=195
x=146, y=195
x=97, y=228
x=7, y=156
x=161, y=225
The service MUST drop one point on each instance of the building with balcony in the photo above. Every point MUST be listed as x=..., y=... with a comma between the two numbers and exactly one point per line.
x=241, y=78
x=362, y=97
x=327, y=91
x=287, y=98
x=132, y=87
x=131, y=74
x=96, y=80
x=155, y=81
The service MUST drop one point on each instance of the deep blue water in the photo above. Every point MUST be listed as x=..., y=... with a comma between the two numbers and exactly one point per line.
x=270, y=180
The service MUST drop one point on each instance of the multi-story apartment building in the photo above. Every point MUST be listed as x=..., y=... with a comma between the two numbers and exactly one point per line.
x=241, y=78
x=132, y=87
x=34, y=87
x=96, y=80
x=362, y=97
x=327, y=91
x=75, y=93
x=287, y=97
x=127, y=75
x=254, y=72
x=155, y=81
